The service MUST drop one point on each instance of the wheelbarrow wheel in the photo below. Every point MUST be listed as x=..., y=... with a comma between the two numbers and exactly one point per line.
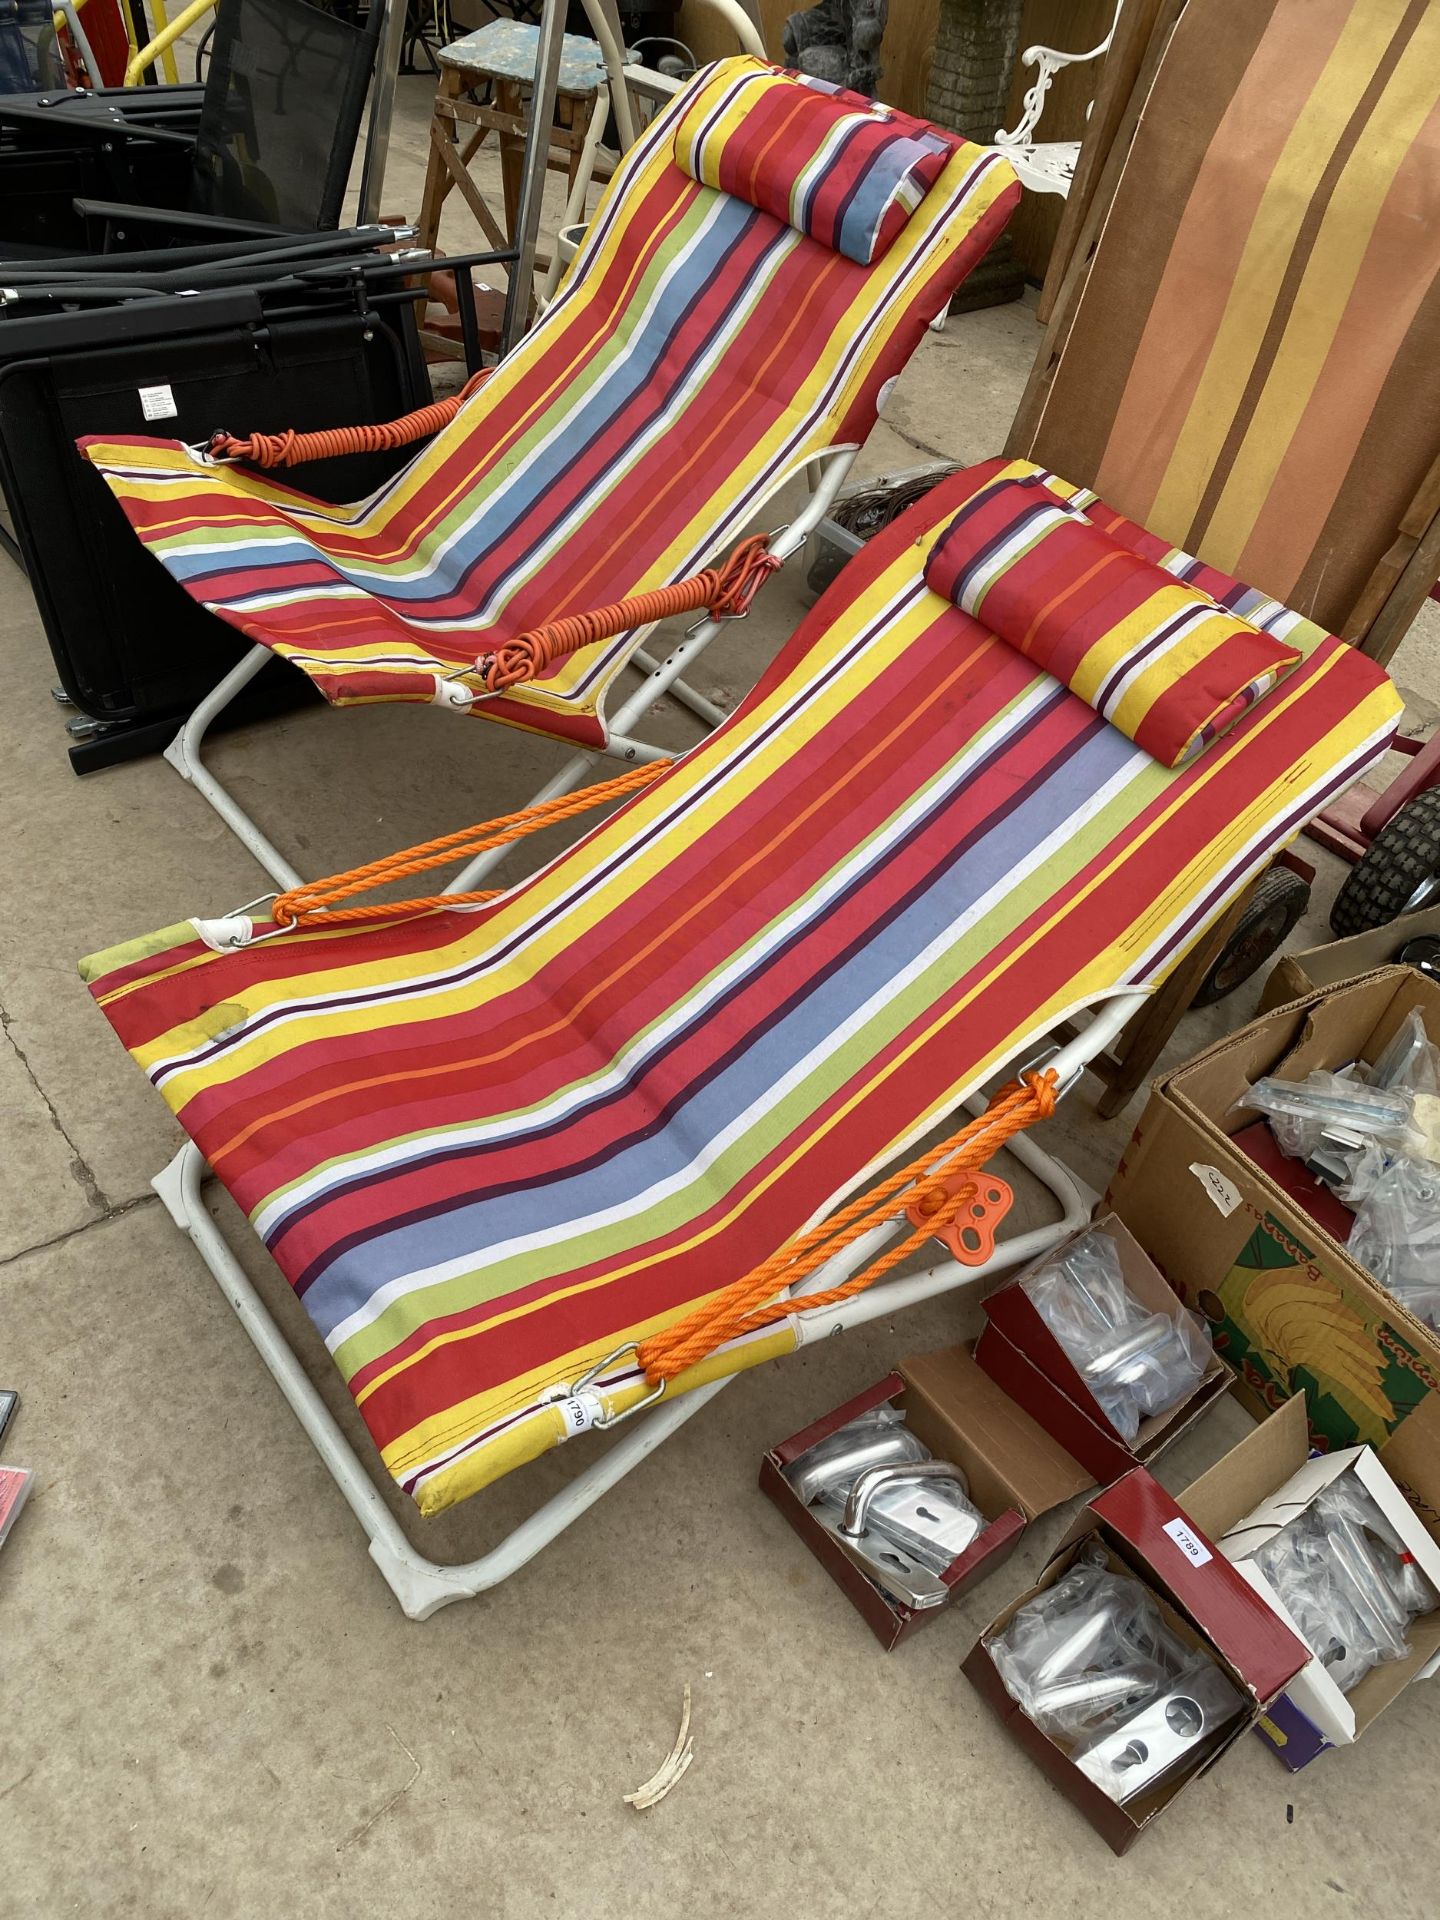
x=1399, y=872
x=1274, y=911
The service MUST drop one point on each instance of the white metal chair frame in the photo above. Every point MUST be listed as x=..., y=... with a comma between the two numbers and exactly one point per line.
x=1047, y=166
x=423, y=1586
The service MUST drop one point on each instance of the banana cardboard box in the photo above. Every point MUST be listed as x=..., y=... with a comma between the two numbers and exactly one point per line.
x=1290, y=1311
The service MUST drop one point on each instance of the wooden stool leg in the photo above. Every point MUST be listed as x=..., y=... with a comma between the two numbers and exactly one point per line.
x=512, y=152
x=437, y=175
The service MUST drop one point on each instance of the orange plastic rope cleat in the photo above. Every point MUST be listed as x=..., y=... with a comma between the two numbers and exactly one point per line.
x=968, y=1234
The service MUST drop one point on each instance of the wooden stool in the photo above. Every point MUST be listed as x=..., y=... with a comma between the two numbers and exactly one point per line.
x=498, y=61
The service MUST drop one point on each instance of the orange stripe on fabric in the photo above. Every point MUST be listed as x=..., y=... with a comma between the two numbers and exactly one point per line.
x=724, y=884
x=797, y=106
x=1068, y=592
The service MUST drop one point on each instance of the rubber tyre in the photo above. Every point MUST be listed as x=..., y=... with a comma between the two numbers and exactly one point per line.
x=1402, y=856
x=1276, y=909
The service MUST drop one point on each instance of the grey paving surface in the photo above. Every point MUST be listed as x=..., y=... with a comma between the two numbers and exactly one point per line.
x=209, y=1705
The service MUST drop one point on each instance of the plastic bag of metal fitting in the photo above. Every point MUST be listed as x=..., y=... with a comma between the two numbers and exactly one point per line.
x=1303, y=1112
x=1411, y=1061
x=1135, y=1363
x=879, y=1438
x=1348, y=1127
x=1348, y=1500
x=1174, y=1730
x=1086, y=1651
x=1338, y=1569
x=1396, y=1236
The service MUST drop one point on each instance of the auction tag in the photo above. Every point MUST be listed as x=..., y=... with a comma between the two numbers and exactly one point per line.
x=578, y=1415
x=1189, y=1543
x=1223, y=1192
x=158, y=403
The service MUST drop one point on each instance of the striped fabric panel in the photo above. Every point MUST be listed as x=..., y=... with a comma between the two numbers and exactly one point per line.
x=843, y=170
x=1160, y=660
x=488, y=1146
x=1254, y=365
x=698, y=354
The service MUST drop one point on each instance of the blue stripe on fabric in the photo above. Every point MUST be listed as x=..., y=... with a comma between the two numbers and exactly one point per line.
x=869, y=199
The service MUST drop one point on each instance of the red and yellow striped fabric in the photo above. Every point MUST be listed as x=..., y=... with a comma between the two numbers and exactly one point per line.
x=698, y=355
x=844, y=170
x=1159, y=660
x=489, y=1145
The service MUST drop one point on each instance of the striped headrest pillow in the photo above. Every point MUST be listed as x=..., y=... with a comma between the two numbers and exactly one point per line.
x=839, y=168
x=1167, y=665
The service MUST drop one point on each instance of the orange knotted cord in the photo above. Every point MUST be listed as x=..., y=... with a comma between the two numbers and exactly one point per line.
x=310, y=905
x=750, y=1302
x=291, y=449
x=726, y=589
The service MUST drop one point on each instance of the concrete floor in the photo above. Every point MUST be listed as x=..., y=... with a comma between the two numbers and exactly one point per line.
x=209, y=1703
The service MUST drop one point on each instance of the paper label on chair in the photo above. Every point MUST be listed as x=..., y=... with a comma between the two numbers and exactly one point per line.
x=1189, y=1543
x=1223, y=1192
x=158, y=403
x=578, y=1415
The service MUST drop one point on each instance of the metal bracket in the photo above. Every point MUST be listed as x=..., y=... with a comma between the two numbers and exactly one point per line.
x=1170, y=1732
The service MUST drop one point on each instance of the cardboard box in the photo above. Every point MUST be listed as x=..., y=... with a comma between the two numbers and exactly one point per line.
x=1143, y=1531
x=1013, y=1469
x=1018, y=1350
x=1236, y=1505
x=1290, y=1311
x=1296, y=974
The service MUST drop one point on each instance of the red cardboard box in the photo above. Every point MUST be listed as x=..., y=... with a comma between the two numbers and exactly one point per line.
x=1202, y=1597
x=1014, y=1472
x=1018, y=1351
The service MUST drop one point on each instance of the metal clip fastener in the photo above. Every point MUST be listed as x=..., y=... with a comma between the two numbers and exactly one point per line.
x=592, y=1375
x=229, y=932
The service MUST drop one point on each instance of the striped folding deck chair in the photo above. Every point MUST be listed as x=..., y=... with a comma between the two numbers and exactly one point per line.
x=759, y=271
x=536, y=1160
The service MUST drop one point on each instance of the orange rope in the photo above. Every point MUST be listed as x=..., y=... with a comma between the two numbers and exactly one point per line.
x=291, y=449
x=750, y=1303
x=310, y=905
x=726, y=589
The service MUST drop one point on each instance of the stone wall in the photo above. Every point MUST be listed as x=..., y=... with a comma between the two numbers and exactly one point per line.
x=977, y=43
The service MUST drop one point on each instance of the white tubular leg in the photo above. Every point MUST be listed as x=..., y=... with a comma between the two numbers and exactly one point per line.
x=700, y=704
x=183, y=753
x=421, y=1586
